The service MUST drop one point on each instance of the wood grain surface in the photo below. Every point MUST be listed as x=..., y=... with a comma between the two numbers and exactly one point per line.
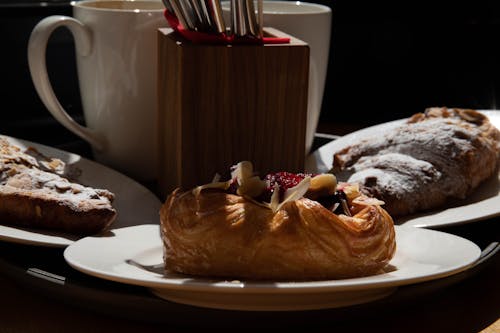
x=221, y=104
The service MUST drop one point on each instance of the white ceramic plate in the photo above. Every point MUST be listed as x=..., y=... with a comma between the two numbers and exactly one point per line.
x=134, y=256
x=134, y=203
x=482, y=204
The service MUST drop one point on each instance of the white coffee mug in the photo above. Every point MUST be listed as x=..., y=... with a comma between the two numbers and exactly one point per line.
x=310, y=23
x=116, y=52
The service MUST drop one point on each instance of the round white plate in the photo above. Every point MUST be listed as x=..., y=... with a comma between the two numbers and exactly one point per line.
x=134, y=203
x=482, y=204
x=134, y=256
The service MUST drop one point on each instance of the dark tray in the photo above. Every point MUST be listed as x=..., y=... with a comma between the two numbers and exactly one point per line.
x=45, y=272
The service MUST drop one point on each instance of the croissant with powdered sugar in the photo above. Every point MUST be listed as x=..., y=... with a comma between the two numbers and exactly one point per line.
x=426, y=162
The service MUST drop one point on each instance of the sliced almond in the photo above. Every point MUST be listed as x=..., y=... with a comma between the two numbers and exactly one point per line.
x=322, y=185
x=294, y=193
x=215, y=185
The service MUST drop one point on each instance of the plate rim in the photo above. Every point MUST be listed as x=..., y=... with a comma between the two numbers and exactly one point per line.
x=256, y=287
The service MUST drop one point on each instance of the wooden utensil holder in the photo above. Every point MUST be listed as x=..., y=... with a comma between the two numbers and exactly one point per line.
x=221, y=104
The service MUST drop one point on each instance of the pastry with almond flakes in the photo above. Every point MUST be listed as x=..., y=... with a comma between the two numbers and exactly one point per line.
x=286, y=226
x=35, y=193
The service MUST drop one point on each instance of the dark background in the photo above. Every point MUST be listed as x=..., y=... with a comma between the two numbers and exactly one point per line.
x=392, y=59
x=388, y=60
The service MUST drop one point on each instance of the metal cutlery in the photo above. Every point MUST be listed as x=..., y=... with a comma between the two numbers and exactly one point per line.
x=250, y=18
x=188, y=13
x=215, y=10
x=241, y=24
x=206, y=16
x=178, y=11
x=201, y=14
x=260, y=17
x=167, y=5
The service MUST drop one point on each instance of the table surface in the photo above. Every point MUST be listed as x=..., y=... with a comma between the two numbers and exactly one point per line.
x=471, y=304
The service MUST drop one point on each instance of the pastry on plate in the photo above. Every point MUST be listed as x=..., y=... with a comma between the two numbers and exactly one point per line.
x=34, y=193
x=434, y=157
x=283, y=227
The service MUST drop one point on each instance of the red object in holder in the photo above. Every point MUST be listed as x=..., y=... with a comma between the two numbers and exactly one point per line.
x=219, y=38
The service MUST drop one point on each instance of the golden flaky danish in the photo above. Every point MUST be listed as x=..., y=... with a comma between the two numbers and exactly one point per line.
x=256, y=228
x=434, y=157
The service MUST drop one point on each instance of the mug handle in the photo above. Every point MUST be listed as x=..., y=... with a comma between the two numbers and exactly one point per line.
x=37, y=47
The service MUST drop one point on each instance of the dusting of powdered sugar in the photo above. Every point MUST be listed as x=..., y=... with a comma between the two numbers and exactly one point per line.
x=414, y=147
x=398, y=173
x=22, y=173
x=414, y=160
